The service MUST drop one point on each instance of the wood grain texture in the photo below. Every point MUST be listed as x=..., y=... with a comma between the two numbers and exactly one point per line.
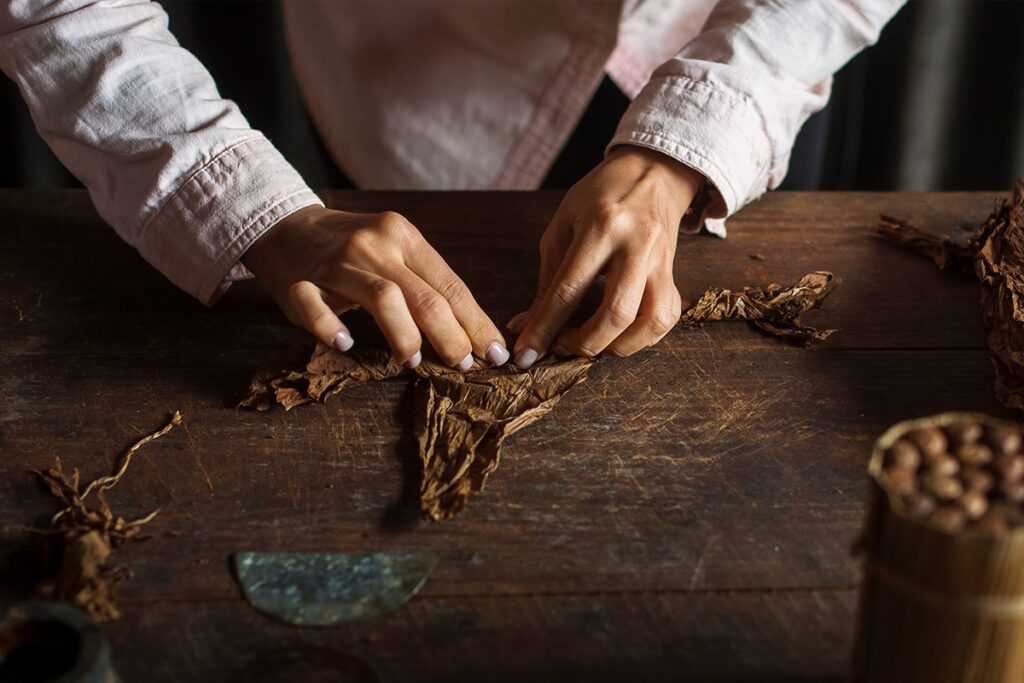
x=689, y=509
x=607, y=638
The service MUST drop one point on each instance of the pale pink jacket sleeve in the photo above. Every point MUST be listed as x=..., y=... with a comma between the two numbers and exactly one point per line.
x=731, y=102
x=171, y=165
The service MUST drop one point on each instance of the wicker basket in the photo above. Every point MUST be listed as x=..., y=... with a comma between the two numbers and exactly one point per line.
x=936, y=606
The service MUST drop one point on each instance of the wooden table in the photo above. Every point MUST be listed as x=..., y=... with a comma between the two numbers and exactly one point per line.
x=689, y=510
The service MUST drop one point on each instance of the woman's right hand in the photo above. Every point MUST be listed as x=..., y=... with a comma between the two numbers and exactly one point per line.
x=317, y=263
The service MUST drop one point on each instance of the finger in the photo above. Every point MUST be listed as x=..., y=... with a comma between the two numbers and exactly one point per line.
x=659, y=312
x=308, y=309
x=559, y=350
x=485, y=339
x=435, y=317
x=384, y=300
x=581, y=266
x=517, y=322
x=623, y=293
x=338, y=304
x=553, y=247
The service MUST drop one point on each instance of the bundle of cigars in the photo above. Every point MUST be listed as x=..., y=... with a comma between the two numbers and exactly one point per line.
x=942, y=596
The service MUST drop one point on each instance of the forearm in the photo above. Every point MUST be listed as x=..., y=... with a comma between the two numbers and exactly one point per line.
x=171, y=165
x=732, y=101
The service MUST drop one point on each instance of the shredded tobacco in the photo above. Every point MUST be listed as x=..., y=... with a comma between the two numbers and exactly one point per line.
x=88, y=533
x=995, y=254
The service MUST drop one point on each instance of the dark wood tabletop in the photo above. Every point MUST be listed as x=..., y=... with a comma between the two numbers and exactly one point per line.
x=686, y=511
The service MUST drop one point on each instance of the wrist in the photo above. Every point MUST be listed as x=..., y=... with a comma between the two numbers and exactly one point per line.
x=271, y=251
x=684, y=181
x=278, y=256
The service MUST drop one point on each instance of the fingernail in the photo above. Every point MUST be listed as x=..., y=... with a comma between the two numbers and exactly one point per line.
x=343, y=341
x=526, y=358
x=560, y=350
x=413, y=362
x=516, y=322
x=466, y=363
x=496, y=354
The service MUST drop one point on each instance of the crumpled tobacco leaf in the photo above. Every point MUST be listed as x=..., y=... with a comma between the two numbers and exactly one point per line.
x=774, y=309
x=996, y=252
x=463, y=418
x=89, y=532
x=942, y=250
x=999, y=266
x=326, y=373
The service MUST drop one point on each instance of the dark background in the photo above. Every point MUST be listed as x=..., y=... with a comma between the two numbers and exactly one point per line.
x=937, y=104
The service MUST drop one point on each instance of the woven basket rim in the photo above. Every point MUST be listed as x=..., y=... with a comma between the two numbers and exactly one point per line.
x=898, y=430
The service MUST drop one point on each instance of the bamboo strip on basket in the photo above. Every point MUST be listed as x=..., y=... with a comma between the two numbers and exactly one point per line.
x=936, y=606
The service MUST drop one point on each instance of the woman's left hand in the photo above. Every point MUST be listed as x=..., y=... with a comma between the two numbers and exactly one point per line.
x=622, y=219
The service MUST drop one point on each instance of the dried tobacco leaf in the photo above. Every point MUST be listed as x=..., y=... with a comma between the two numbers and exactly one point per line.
x=999, y=265
x=996, y=252
x=463, y=417
x=774, y=309
x=326, y=373
x=89, y=533
x=462, y=420
x=942, y=250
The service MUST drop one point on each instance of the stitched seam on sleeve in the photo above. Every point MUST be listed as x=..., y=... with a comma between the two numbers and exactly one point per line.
x=675, y=82
x=192, y=177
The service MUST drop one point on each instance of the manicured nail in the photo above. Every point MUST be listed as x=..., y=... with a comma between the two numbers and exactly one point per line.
x=515, y=325
x=496, y=354
x=466, y=363
x=560, y=350
x=343, y=341
x=416, y=359
x=526, y=358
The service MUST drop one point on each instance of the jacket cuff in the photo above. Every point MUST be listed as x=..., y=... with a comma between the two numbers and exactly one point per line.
x=202, y=230
x=714, y=131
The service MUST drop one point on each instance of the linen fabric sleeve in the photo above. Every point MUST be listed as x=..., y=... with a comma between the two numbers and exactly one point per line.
x=732, y=101
x=170, y=164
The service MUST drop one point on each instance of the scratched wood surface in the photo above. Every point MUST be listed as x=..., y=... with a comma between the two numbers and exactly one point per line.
x=686, y=511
